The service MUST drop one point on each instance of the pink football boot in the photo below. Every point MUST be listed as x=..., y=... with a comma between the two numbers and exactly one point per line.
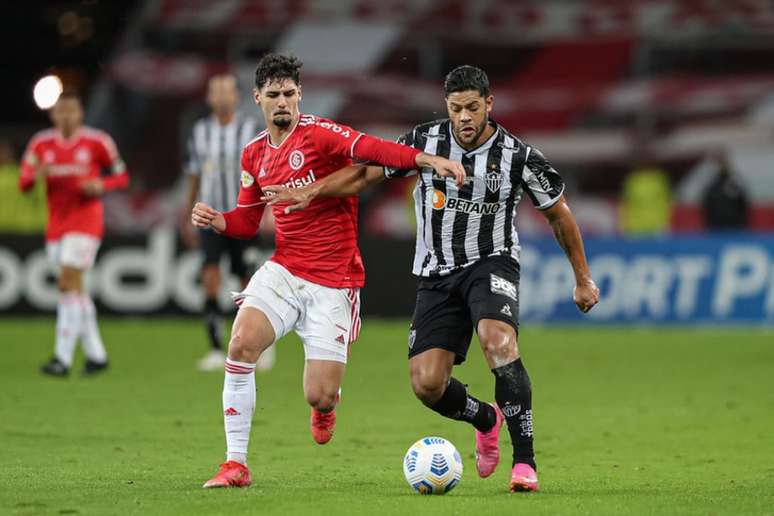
x=523, y=478
x=488, y=446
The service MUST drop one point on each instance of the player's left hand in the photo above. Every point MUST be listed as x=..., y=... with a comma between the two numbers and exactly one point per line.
x=92, y=187
x=296, y=198
x=585, y=295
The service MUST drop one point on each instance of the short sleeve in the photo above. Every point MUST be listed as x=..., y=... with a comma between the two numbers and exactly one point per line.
x=336, y=139
x=406, y=139
x=250, y=192
x=541, y=181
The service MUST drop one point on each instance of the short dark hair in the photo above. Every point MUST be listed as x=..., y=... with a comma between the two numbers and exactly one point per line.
x=464, y=78
x=273, y=67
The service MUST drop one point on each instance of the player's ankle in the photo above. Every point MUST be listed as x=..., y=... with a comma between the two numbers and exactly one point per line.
x=241, y=458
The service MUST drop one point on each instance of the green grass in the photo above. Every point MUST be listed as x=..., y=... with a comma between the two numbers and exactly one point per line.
x=627, y=421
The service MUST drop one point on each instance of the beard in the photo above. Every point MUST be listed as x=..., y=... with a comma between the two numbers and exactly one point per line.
x=474, y=136
x=282, y=121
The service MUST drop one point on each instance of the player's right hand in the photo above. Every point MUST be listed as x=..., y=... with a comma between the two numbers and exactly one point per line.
x=203, y=216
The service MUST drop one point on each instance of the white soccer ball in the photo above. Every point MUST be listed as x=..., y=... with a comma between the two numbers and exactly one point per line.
x=432, y=466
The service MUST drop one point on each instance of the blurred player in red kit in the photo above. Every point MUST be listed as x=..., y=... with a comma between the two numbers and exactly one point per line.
x=311, y=284
x=70, y=158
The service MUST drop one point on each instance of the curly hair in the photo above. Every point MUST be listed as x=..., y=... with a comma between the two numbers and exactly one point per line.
x=465, y=78
x=273, y=67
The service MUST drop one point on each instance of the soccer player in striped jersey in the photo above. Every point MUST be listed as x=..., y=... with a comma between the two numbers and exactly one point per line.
x=70, y=158
x=467, y=261
x=213, y=172
x=311, y=284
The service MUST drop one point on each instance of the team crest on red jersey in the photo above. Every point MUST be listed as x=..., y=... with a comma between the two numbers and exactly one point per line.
x=82, y=155
x=296, y=159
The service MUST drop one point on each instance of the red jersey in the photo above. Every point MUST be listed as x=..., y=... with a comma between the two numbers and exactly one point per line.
x=319, y=243
x=68, y=163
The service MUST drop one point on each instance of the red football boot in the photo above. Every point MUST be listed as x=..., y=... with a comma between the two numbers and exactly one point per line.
x=230, y=474
x=322, y=425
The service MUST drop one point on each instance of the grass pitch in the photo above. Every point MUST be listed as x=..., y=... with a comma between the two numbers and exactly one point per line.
x=626, y=421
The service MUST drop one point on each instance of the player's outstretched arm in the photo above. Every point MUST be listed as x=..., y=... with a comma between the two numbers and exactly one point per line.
x=344, y=182
x=203, y=216
x=567, y=234
x=396, y=155
x=443, y=167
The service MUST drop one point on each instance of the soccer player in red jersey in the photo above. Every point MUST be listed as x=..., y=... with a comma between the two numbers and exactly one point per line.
x=311, y=284
x=70, y=158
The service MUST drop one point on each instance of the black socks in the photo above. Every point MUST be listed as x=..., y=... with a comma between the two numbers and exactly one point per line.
x=513, y=393
x=214, y=321
x=457, y=404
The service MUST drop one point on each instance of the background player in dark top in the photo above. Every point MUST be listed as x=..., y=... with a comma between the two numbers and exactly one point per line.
x=467, y=261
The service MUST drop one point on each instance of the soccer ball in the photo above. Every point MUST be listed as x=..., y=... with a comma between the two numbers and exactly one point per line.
x=432, y=466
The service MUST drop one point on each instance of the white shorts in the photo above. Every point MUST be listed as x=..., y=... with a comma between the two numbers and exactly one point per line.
x=327, y=319
x=77, y=250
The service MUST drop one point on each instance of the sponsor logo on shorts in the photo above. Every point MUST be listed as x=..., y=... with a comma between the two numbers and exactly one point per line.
x=506, y=310
x=412, y=338
x=296, y=159
x=498, y=285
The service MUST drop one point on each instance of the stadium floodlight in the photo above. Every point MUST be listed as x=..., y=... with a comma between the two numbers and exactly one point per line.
x=47, y=91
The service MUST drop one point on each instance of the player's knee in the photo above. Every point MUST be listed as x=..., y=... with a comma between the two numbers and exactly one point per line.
x=243, y=345
x=323, y=400
x=428, y=386
x=498, y=341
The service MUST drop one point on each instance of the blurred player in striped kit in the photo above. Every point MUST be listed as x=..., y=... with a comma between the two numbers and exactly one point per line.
x=213, y=171
x=70, y=158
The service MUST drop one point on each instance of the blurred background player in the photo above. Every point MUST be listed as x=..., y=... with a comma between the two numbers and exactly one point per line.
x=70, y=158
x=213, y=171
x=725, y=202
x=312, y=282
x=467, y=260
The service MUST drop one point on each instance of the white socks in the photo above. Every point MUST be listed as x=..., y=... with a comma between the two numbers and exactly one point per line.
x=90, y=337
x=77, y=317
x=238, y=408
x=69, y=322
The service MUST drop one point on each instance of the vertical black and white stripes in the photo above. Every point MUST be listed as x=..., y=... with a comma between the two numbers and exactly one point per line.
x=458, y=226
x=214, y=152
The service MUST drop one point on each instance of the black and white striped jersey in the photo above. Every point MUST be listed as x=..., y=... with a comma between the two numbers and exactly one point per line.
x=214, y=153
x=457, y=226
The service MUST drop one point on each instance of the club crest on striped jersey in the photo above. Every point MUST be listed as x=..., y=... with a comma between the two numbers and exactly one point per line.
x=296, y=159
x=247, y=179
x=494, y=179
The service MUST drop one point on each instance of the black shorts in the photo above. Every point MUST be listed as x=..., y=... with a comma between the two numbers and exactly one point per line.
x=215, y=245
x=448, y=308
